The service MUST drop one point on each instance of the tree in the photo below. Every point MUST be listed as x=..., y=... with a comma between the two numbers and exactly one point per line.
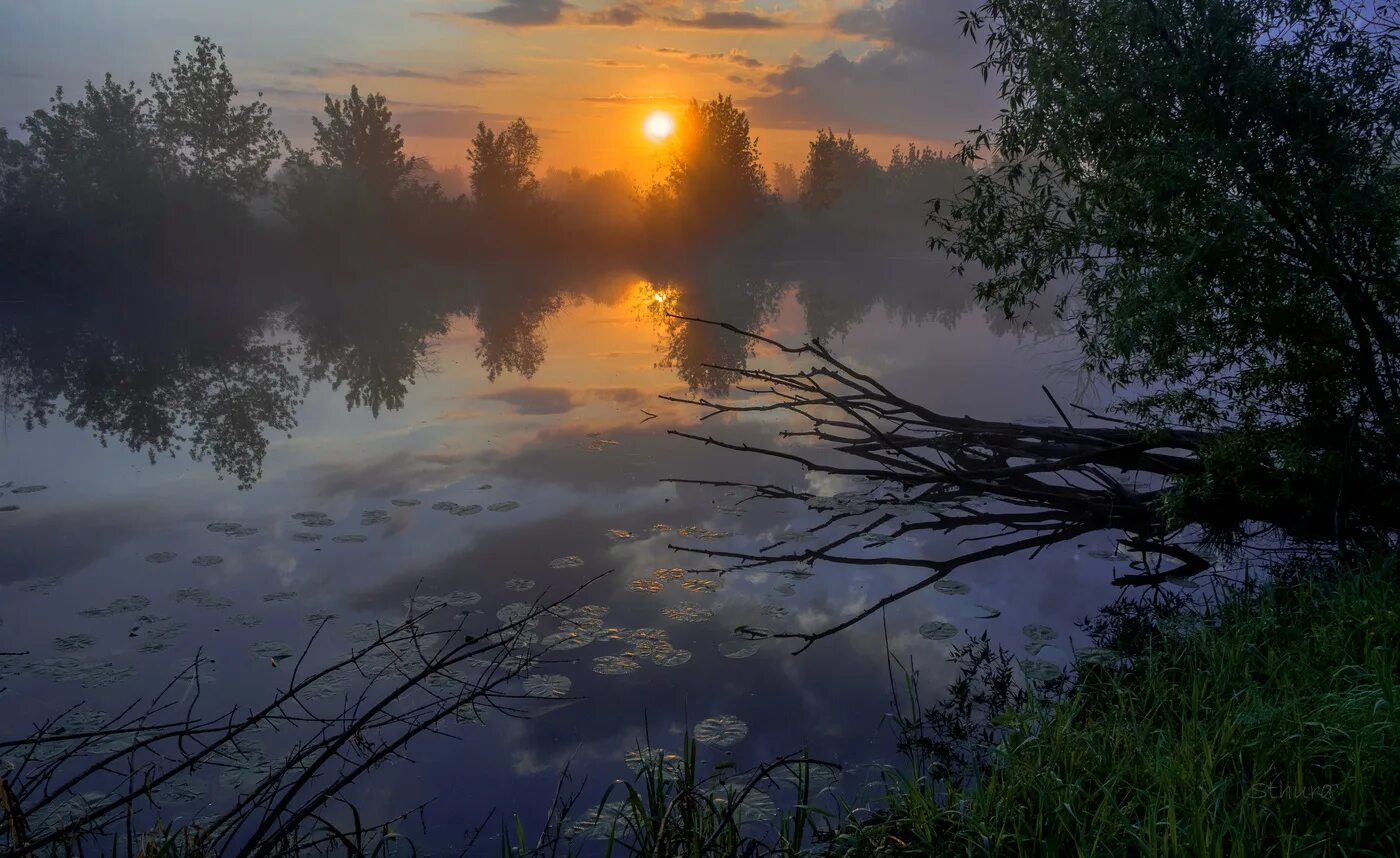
x=359, y=136
x=97, y=155
x=835, y=166
x=785, y=182
x=223, y=146
x=1218, y=181
x=715, y=176
x=503, y=165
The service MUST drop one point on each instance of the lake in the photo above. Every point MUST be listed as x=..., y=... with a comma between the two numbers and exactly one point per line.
x=474, y=442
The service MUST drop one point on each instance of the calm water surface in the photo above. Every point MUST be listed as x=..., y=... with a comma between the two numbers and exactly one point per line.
x=510, y=391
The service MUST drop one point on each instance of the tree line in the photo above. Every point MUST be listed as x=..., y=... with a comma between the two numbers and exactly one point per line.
x=154, y=176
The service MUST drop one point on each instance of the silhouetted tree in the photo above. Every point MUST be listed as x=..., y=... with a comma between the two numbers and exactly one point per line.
x=836, y=166
x=503, y=166
x=1231, y=231
x=715, y=178
x=360, y=137
x=785, y=182
x=224, y=147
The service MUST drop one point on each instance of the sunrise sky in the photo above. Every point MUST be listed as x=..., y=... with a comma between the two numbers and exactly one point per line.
x=585, y=74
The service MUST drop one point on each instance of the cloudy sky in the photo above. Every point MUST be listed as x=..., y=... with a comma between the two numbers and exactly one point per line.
x=584, y=73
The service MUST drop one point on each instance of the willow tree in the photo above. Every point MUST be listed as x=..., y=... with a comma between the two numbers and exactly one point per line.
x=1207, y=192
x=1217, y=183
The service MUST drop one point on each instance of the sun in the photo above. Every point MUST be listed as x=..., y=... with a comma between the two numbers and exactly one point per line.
x=658, y=126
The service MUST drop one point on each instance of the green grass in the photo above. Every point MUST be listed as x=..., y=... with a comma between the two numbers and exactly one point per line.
x=1268, y=728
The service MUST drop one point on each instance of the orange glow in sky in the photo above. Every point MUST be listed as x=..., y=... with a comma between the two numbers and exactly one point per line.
x=658, y=126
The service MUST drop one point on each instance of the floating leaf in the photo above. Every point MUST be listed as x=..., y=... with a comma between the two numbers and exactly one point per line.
x=547, y=685
x=1097, y=655
x=674, y=573
x=1039, y=632
x=652, y=758
x=9, y=507
x=520, y=585
x=280, y=596
x=721, y=731
x=274, y=650
x=988, y=612
x=503, y=506
x=223, y=527
x=566, y=562
x=246, y=620
x=567, y=640
x=317, y=618
x=671, y=657
x=461, y=598
x=405, y=502
x=1035, y=647
x=161, y=557
x=617, y=535
x=69, y=643
x=938, y=630
x=207, y=560
x=951, y=588
x=645, y=585
x=304, y=536
x=739, y=649
x=516, y=612
x=124, y=605
x=685, y=613
x=350, y=538
x=701, y=585
x=371, y=517
x=775, y=611
x=785, y=590
x=1039, y=670
x=40, y=585
x=27, y=490
x=201, y=597
x=614, y=664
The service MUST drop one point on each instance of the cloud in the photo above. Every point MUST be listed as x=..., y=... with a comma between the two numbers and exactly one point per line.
x=735, y=56
x=632, y=13
x=536, y=400
x=523, y=13
x=340, y=69
x=621, y=99
x=728, y=21
x=886, y=90
x=448, y=123
x=921, y=25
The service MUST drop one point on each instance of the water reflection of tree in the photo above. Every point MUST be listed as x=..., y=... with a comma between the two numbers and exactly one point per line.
x=153, y=380
x=697, y=352
x=371, y=339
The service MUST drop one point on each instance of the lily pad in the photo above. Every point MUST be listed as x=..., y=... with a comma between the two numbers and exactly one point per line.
x=674, y=657
x=223, y=527
x=279, y=596
x=520, y=585
x=207, y=560
x=1039, y=632
x=566, y=562
x=161, y=557
x=701, y=585
x=547, y=685
x=350, y=538
x=938, y=630
x=775, y=611
x=371, y=517
x=124, y=605
x=988, y=612
x=1039, y=670
x=503, y=506
x=951, y=588
x=306, y=536
x=646, y=585
x=611, y=665
x=684, y=613
x=69, y=643
x=720, y=731
x=274, y=650
x=405, y=502
x=27, y=490
x=9, y=507
x=738, y=649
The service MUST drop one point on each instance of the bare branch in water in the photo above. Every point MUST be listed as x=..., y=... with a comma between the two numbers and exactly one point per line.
x=915, y=471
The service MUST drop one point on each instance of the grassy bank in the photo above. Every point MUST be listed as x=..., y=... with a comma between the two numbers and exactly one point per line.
x=1270, y=727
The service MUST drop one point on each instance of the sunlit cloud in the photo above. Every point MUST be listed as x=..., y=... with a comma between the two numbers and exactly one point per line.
x=368, y=70
x=523, y=13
